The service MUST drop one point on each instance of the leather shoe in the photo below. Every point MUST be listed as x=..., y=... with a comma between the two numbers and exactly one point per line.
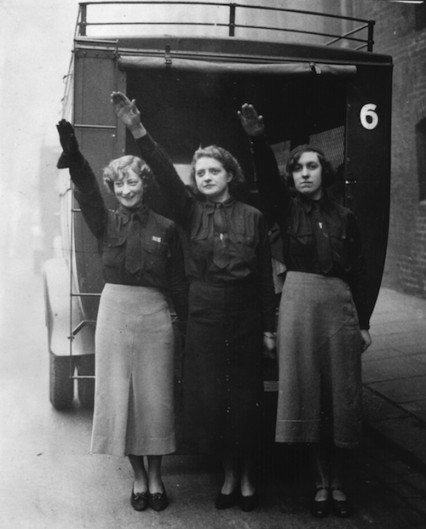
x=341, y=508
x=320, y=508
x=139, y=500
x=224, y=501
x=158, y=501
x=249, y=503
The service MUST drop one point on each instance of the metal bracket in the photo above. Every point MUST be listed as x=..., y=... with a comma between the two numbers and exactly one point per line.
x=167, y=56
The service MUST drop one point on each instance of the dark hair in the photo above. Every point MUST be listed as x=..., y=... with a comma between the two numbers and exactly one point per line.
x=230, y=164
x=327, y=174
x=118, y=168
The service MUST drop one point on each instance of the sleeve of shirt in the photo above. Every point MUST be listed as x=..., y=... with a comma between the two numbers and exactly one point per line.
x=357, y=278
x=266, y=286
x=271, y=187
x=169, y=183
x=88, y=194
x=178, y=284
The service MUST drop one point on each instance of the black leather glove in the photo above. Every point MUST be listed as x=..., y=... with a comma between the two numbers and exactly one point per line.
x=68, y=142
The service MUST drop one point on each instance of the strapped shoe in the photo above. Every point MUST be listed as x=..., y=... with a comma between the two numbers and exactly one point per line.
x=341, y=507
x=249, y=503
x=224, y=501
x=158, y=501
x=139, y=500
x=320, y=508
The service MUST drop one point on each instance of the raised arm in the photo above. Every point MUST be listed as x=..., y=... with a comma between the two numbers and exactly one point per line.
x=86, y=187
x=170, y=184
x=273, y=190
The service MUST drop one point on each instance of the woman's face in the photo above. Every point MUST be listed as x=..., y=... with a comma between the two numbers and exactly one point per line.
x=307, y=175
x=129, y=189
x=212, y=179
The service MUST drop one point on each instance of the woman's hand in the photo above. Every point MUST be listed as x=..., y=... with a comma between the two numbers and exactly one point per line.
x=365, y=340
x=67, y=137
x=269, y=345
x=129, y=114
x=68, y=142
x=251, y=122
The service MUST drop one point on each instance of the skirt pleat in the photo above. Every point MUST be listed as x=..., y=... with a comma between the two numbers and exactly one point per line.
x=134, y=412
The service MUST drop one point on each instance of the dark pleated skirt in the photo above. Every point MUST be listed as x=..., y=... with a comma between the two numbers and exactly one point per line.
x=134, y=403
x=319, y=355
x=222, y=381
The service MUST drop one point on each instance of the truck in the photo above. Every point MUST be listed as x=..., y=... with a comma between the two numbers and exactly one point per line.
x=190, y=66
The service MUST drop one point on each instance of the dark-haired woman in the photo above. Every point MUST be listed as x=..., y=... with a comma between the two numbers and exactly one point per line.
x=231, y=306
x=323, y=316
x=143, y=266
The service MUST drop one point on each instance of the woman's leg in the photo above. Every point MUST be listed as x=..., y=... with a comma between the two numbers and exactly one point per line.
x=320, y=461
x=338, y=464
x=231, y=475
x=248, y=487
x=155, y=483
x=139, y=498
x=229, y=493
x=341, y=505
x=319, y=455
x=141, y=480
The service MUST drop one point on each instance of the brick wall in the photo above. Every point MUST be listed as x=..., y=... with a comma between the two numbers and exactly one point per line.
x=395, y=35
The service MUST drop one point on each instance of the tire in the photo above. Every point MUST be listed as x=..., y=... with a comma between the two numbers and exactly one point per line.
x=86, y=387
x=61, y=386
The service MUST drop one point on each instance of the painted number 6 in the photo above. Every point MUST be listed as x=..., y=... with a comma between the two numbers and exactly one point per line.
x=368, y=116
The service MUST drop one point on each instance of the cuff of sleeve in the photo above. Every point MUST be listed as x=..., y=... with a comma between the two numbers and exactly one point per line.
x=66, y=159
x=146, y=143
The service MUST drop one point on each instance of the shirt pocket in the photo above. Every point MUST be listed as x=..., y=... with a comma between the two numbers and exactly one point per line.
x=113, y=251
x=300, y=240
x=154, y=255
x=245, y=245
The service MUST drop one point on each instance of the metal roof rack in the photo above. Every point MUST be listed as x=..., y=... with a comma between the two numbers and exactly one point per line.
x=231, y=17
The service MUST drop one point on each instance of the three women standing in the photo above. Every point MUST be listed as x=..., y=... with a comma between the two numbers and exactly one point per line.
x=143, y=266
x=323, y=316
x=231, y=305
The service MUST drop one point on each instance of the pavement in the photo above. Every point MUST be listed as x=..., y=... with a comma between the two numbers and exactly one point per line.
x=394, y=377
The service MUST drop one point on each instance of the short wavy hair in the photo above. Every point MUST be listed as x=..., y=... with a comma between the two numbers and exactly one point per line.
x=327, y=175
x=119, y=168
x=229, y=162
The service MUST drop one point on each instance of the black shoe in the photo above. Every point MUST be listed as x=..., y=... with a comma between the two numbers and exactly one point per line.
x=224, y=501
x=159, y=500
x=320, y=508
x=341, y=508
x=249, y=503
x=139, y=500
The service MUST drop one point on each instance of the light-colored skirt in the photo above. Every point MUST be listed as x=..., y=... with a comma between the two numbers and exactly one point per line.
x=134, y=412
x=319, y=356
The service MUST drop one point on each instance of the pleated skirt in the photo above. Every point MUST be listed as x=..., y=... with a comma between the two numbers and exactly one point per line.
x=222, y=381
x=134, y=411
x=319, y=357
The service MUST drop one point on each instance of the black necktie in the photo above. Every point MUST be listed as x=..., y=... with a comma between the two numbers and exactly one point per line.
x=133, y=245
x=220, y=253
x=322, y=240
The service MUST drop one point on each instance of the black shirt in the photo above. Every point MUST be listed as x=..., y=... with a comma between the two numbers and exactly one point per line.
x=237, y=250
x=138, y=247
x=319, y=237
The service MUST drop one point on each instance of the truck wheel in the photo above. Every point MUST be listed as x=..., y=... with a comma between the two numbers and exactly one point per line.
x=86, y=387
x=60, y=384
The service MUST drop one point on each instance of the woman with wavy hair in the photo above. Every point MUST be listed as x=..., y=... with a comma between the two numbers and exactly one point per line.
x=230, y=306
x=323, y=316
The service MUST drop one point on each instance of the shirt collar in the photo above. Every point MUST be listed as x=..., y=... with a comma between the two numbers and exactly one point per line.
x=140, y=212
x=211, y=206
x=308, y=203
